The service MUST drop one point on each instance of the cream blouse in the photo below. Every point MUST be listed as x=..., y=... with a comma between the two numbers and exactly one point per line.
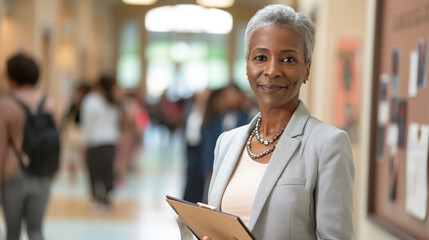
x=241, y=189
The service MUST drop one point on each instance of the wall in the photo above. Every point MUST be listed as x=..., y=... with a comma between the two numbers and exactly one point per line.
x=105, y=23
x=17, y=30
x=346, y=18
x=2, y=80
x=71, y=40
x=367, y=229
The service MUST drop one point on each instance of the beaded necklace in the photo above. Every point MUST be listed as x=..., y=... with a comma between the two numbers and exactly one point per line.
x=255, y=132
x=261, y=140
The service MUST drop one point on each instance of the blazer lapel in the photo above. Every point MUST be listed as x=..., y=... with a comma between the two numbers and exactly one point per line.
x=228, y=165
x=286, y=147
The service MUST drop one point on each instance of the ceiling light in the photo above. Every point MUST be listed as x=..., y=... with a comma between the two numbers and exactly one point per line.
x=216, y=3
x=188, y=18
x=139, y=2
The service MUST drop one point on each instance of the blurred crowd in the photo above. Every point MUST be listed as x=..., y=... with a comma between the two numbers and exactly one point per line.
x=104, y=124
x=201, y=118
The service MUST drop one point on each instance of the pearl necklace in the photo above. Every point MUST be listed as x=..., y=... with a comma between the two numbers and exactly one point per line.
x=261, y=140
x=255, y=132
x=255, y=156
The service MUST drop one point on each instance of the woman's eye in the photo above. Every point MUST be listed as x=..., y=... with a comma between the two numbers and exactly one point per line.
x=260, y=58
x=289, y=59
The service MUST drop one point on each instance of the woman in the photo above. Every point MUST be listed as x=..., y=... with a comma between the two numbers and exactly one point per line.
x=101, y=120
x=29, y=203
x=287, y=175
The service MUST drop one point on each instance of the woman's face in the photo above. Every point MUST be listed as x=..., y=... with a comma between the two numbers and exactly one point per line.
x=276, y=67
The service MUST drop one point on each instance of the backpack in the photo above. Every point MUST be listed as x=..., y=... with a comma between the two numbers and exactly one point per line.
x=41, y=144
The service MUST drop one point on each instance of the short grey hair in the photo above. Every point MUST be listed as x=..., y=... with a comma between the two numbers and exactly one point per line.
x=286, y=16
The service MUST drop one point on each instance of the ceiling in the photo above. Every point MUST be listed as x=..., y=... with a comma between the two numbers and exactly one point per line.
x=252, y=3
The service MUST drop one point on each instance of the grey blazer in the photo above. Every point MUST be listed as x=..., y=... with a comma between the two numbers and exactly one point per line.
x=307, y=189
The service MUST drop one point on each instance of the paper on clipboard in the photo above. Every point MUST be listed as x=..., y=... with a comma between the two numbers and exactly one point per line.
x=203, y=221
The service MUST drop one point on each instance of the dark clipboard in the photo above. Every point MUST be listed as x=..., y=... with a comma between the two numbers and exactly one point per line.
x=204, y=221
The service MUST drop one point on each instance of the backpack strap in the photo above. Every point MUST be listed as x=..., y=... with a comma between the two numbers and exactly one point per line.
x=25, y=106
x=27, y=111
x=21, y=103
x=41, y=104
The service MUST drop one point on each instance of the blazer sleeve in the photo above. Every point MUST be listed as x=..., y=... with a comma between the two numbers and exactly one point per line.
x=334, y=188
x=216, y=165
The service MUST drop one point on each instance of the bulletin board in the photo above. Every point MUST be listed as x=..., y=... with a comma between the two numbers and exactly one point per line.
x=398, y=178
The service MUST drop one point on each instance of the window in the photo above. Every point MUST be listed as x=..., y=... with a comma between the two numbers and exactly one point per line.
x=182, y=64
x=240, y=61
x=129, y=62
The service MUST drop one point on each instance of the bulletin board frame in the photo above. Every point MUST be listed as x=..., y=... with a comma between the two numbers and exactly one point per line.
x=397, y=27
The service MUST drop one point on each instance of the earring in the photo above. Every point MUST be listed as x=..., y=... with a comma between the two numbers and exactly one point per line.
x=305, y=81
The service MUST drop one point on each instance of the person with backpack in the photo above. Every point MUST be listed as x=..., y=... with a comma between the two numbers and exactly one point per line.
x=29, y=149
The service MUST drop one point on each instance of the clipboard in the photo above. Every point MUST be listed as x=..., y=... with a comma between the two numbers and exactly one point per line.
x=204, y=220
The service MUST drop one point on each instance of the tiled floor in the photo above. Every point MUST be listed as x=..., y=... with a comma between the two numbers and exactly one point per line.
x=139, y=208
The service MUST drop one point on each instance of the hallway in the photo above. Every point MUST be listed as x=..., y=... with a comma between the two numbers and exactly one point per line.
x=139, y=207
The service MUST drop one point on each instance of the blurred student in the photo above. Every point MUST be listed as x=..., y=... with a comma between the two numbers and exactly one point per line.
x=24, y=196
x=225, y=111
x=72, y=134
x=142, y=117
x=101, y=119
x=135, y=121
x=194, y=188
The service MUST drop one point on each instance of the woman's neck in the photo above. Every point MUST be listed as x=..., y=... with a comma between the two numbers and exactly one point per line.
x=274, y=120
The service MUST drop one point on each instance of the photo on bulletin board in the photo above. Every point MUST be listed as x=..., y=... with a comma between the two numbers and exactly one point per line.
x=422, y=53
x=395, y=70
x=347, y=79
x=383, y=114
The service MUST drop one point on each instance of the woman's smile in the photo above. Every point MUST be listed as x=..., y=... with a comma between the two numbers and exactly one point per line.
x=271, y=88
